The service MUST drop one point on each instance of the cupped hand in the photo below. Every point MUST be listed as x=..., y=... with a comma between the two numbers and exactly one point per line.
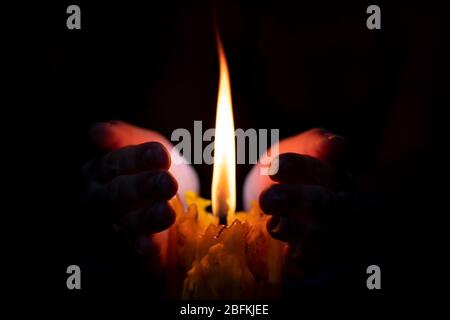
x=132, y=180
x=305, y=193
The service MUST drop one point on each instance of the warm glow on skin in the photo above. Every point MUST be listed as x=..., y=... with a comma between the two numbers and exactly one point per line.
x=224, y=174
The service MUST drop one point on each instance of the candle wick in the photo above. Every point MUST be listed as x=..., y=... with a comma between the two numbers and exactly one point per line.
x=223, y=220
x=220, y=232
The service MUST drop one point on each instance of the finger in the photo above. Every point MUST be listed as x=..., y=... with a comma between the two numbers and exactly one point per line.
x=134, y=191
x=134, y=159
x=154, y=218
x=283, y=228
x=324, y=145
x=296, y=168
x=113, y=135
x=303, y=203
x=304, y=239
x=318, y=143
x=332, y=148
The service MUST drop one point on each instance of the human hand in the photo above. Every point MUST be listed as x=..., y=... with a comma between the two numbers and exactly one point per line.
x=129, y=185
x=305, y=194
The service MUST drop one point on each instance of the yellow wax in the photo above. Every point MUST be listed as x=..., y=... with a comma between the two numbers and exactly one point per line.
x=212, y=261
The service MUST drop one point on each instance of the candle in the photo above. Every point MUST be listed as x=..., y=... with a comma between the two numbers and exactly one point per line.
x=223, y=254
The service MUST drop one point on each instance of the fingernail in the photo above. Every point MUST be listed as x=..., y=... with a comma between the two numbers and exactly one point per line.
x=280, y=229
x=337, y=144
x=273, y=222
x=160, y=217
x=281, y=225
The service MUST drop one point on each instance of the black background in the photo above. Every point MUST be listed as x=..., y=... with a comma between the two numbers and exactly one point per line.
x=294, y=65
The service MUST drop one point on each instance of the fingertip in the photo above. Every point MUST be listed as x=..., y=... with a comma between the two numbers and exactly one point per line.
x=281, y=228
x=338, y=144
x=272, y=222
x=158, y=217
x=103, y=136
x=270, y=200
x=331, y=147
x=162, y=185
x=156, y=155
x=287, y=165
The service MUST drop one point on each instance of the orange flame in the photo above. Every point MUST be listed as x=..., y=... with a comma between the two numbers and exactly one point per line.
x=223, y=189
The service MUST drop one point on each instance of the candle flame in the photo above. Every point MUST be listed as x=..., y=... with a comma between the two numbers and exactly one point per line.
x=223, y=189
